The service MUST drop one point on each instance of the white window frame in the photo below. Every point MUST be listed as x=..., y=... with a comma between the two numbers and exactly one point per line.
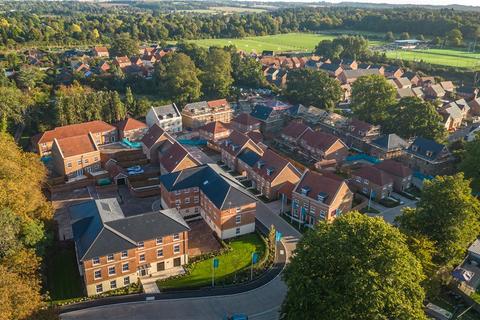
x=126, y=281
x=114, y=286
x=95, y=261
x=124, y=254
x=176, y=236
x=159, y=253
x=238, y=219
x=110, y=257
x=99, y=286
x=140, y=257
x=159, y=241
x=110, y=273
x=176, y=248
x=123, y=267
x=95, y=274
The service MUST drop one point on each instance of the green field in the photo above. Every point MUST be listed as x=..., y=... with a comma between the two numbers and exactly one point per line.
x=235, y=260
x=306, y=42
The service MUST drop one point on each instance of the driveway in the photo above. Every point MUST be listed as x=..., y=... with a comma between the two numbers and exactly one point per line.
x=389, y=214
x=262, y=303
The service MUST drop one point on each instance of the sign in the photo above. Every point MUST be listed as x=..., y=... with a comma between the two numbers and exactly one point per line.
x=254, y=257
x=215, y=263
x=278, y=236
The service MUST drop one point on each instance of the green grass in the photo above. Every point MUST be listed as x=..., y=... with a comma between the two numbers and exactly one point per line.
x=235, y=260
x=63, y=278
x=446, y=57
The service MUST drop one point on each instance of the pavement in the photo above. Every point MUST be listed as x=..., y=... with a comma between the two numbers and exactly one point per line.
x=389, y=214
x=260, y=303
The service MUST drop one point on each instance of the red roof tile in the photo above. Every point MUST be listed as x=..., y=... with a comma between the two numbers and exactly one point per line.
x=317, y=183
x=394, y=168
x=73, y=130
x=374, y=175
x=214, y=127
x=271, y=164
x=295, y=129
x=256, y=136
x=320, y=140
x=153, y=135
x=234, y=143
x=73, y=146
x=173, y=156
x=130, y=124
x=217, y=103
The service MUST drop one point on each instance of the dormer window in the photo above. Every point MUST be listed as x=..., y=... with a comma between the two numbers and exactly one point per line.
x=270, y=171
x=429, y=153
x=305, y=190
x=260, y=164
x=414, y=148
x=322, y=196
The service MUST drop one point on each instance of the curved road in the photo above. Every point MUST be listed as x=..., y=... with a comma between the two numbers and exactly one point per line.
x=262, y=303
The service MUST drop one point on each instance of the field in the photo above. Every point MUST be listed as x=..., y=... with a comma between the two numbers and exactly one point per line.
x=306, y=42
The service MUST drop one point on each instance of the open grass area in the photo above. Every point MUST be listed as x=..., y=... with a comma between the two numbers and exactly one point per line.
x=63, y=279
x=233, y=261
x=446, y=57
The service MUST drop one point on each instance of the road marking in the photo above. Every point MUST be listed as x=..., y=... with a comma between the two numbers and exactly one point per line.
x=149, y=298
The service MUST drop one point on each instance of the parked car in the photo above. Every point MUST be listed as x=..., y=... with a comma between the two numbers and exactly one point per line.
x=236, y=316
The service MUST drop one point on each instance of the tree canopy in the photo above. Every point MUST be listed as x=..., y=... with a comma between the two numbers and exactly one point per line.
x=311, y=87
x=124, y=45
x=216, y=76
x=447, y=214
x=371, y=97
x=470, y=163
x=351, y=47
x=356, y=267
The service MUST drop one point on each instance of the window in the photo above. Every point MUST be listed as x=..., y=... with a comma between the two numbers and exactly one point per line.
x=322, y=214
x=97, y=274
x=312, y=210
x=160, y=253
x=186, y=190
x=159, y=241
x=113, y=284
x=99, y=288
x=195, y=189
x=95, y=159
x=124, y=254
x=69, y=164
x=365, y=181
x=195, y=199
x=187, y=200
x=110, y=257
x=176, y=236
x=125, y=267
x=238, y=209
x=126, y=281
x=111, y=271
x=95, y=260
x=86, y=161
x=176, y=248
x=79, y=161
x=237, y=231
x=238, y=219
x=177, y=203
x=177, y=192
x=140, y=244
x=197, y=210
x=142, y=257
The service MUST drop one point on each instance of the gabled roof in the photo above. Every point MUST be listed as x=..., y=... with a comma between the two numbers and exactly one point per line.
x=235, y=142
x=172, y=157
x=330, y=67
x=245, y=119
x=453, y=111
x=421, y=146
x=196, y=106
x=320, y=140
x=217, y=103
x=255, y=135
x=78, y=145
x=295, y=130
x=249, y=157
x=101, y=49
x=222, y=190
x=447, y=86
x=271, y=164
x=403, y=82
x=100, y=227
x=262, y=112
x=153, y=135
x=358, y=126
x=73, y=130
x=405, y=92
x=390, y=142
x=130, y=124
x=437, y=89
x=394, y=168
x=214, y=127
x=326, y=184
x=391, y=69
x=374, y=175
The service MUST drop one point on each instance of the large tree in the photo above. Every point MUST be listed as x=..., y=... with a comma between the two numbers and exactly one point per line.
x=176, y=78
x=357, y=268
x=371, y=97
x=124, y=45
x=470, y=163
x=311, y=87
x=216, y=76
x=351, y=47
x=412, y=117
x=247, y=72
x=447, y=214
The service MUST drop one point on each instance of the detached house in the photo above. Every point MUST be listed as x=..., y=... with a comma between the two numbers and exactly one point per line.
x=403, y=82
x=326, y=149
x=428, y=157
x=270, y=172
x=101, y=52
x=320, y=197
x=401, y=174
x=452, y=116
x=232, y=146
x=434, y=91
x=207, y=192
x=102, y=133
x=350, y=76
x=372, y=182
x=114, y=251
x=333, y=69
x=174, y=157
x=388, y=147
x=214, y=131
x=166, y=117
x=122, y=62
x=131, y=129
x=271, y=120
x=293, y=132
x=74, y=156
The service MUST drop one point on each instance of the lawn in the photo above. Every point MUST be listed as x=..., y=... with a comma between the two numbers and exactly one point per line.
x=233, y=261
x=446, y=57
x=63, y=278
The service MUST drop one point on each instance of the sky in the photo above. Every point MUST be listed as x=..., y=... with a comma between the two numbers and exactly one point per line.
x=424, y=2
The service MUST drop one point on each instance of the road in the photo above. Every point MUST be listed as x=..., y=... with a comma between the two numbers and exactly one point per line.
x=261, y=304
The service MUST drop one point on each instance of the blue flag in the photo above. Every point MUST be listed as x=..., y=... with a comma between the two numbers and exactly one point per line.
x=278, y=236
x=254, y=257
x=215, y=263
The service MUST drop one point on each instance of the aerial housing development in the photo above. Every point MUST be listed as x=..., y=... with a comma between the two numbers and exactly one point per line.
x=191, y=160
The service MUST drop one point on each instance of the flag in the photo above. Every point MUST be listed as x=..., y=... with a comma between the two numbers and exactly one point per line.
x=215, y=263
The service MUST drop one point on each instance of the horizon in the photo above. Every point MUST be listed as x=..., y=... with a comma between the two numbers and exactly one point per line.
x=473, y=3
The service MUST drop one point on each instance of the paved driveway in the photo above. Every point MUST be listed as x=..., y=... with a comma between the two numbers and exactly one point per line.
x=260, y=304
x=389, y=214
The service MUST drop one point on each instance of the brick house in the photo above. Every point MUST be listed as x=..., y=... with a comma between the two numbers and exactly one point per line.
x=324, y=148
x=393, y=72
x=333, y=69
x=389, y=146
x=359, y=134
x=271, y=120
x=401, y=174
x=270, y=172
x=114, y=251
x=320, y=197
x=101, y=52
x=152, y=140
x=372, y=182
x=131, y=129
x=209, y=193
x=428, y=157
x=122, y=62
x=232, y=146
x=434, y=91
x=102, y=133
x=350, y=76
x=174, y=157
x=197, y=114
x=214, y=131
x=75, y=156
x=452, y=116
x=245, y=123
x=293, y=132
x=166, y=117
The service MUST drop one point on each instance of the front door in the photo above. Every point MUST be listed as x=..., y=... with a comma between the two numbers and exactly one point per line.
x=177, y=262
x=143, y=272
x=160, y=266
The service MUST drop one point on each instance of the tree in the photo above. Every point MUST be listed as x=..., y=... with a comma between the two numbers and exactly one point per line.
x=371, y=96
x=216, y=76
x=248, y=72
x=130, y=102
x=447, y=214
x=176, y=78
x=454, y=37
x=470, y=164
x=123, y=45
x=311, y=87
x=412, y=117
x=13, y=103
x=95, y=34
x=327, y=48
x=29, y=77
x=404, y=36
x=389, y=37
x=351, y=47
x=357, y=268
